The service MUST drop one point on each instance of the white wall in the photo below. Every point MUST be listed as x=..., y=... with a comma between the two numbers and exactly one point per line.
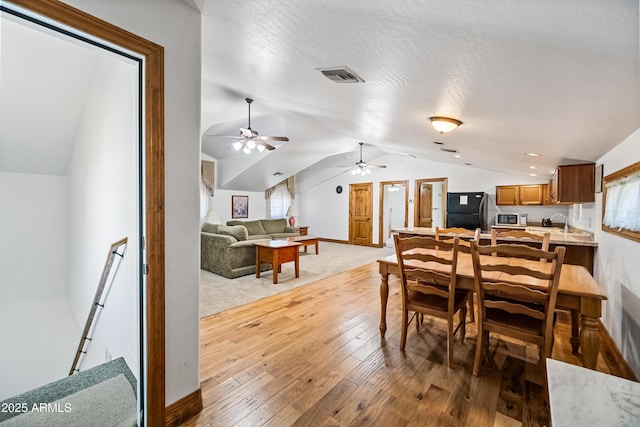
x=177, y=27
x=102, y=189
x=33, y=235
x=616, y=263
x=327, y=213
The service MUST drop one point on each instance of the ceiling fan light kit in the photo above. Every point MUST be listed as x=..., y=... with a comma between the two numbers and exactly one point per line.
x=444, y=124
x=249, y=139
x=362, y=167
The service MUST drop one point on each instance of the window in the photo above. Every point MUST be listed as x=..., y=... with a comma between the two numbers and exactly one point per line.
x=621, y=202
x=279, y=201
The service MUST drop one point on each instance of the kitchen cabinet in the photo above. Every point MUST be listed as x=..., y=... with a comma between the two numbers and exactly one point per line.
x=573, y=184
x=523, y=195
x=507, y=195
x=531, y=194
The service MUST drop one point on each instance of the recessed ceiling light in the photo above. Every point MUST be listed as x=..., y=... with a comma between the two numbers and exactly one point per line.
x=533, y=174
x=457, y=156
x=532, y=154
x=552, y=171
x=532, y=167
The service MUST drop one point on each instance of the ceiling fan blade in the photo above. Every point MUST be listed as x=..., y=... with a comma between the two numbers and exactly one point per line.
x=248, y=133
x=376, y=166
x=265, y=145
x=228, y=136
x=274, y=138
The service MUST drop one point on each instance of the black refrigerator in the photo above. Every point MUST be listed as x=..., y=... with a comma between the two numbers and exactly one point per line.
x=467, y=210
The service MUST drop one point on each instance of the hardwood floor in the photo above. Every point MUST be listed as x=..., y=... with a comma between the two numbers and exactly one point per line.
x=313, y=356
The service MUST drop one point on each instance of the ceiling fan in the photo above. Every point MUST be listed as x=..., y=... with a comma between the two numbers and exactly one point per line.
x=249, y=138
x=362, y=167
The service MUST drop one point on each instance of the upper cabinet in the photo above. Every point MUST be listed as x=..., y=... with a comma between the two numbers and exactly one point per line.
x=573, y=184
x=514, y=195
x=507, y=195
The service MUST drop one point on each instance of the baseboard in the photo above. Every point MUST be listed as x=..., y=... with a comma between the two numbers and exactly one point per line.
x=323, y=239
x=183, y=409
x=615, y=354
x=346, y=242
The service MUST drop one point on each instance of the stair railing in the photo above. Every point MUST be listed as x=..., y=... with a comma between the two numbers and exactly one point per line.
x=106, y=279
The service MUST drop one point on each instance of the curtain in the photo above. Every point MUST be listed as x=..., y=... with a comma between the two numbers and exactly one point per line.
x=622, y=209
x=278, y=200
x=206, y=187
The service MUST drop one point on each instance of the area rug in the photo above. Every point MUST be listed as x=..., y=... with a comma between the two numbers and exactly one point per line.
x=217, y=293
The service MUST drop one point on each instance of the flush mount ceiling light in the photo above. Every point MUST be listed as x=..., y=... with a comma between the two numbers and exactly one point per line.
x=444, y=124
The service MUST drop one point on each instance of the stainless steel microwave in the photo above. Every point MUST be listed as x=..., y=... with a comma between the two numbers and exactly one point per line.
x=519, y=219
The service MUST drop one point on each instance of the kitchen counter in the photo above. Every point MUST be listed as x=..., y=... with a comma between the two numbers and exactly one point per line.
x=557, y=235
x=582, y=397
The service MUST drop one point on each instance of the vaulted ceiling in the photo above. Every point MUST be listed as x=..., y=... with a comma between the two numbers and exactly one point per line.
x=556, y=78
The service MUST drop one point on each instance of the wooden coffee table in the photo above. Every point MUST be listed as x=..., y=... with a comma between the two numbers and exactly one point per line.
x=305, y=241
x=276, y=253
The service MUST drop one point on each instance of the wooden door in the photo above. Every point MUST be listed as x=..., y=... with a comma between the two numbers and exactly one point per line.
x=425, y=212
x=360, y=214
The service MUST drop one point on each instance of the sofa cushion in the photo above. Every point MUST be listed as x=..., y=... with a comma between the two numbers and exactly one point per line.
x=253, y=227
x=272, y=226
x=207, y=227
x=237, y=231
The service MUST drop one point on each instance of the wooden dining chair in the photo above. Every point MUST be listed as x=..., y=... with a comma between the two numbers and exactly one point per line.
x=428, y=284
x=541, y=241
x=465, y=236
x=516, y=294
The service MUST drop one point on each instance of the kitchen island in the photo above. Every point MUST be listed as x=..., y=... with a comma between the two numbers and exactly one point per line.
x=580, y=244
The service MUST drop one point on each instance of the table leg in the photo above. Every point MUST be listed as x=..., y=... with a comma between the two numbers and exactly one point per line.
x=296, y=261
x=257, y=261
x=384, y=296
x=276, y=267
x=575, y=330
x=589, y=336
x=317, y=248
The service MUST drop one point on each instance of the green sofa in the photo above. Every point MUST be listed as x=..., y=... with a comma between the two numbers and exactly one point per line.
x=228, y=250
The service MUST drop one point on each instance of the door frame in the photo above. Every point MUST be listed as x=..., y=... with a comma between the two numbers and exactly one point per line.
x=153, y=169
x=416, y=198
x=381, y=211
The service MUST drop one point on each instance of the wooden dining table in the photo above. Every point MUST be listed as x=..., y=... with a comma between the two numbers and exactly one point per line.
x=578, y=292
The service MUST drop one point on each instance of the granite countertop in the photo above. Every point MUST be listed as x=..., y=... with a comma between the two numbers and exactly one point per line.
x=582, y=397
x=557, y=236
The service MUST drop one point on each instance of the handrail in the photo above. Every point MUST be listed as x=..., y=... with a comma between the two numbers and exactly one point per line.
x=98, y=301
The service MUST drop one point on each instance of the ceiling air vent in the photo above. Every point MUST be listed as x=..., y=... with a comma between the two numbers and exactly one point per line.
x=449, y=150
x=341, y=75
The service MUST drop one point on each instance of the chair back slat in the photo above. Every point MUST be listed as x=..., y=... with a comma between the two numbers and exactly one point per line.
x=518, y=292
x=516, y=251
x=514, y=308
x=514, y=270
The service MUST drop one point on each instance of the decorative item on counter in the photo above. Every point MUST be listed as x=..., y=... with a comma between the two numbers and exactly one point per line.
x=292, y=213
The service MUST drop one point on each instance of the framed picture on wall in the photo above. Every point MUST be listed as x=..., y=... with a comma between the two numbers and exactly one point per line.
x=239, y=207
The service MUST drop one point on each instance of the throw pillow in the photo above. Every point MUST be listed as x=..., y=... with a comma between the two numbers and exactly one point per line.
x=272, y=226
x=207, y=227
x=237, y=231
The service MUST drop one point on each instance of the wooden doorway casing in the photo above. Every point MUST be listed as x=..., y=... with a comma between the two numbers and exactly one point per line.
x=422, y=186
x=381, y=212
x=153, y=171
x=360, y=214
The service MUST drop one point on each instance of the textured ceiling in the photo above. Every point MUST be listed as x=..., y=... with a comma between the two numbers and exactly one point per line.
x=557, y=78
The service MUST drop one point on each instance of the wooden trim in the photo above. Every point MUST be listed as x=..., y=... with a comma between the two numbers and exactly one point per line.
x=615, y=353
x=416, y=196
x=154, y=181
x=183, y=409
x=381, y=210
x=322, y=239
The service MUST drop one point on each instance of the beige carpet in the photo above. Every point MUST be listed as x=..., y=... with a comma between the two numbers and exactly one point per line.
x=217, y=293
